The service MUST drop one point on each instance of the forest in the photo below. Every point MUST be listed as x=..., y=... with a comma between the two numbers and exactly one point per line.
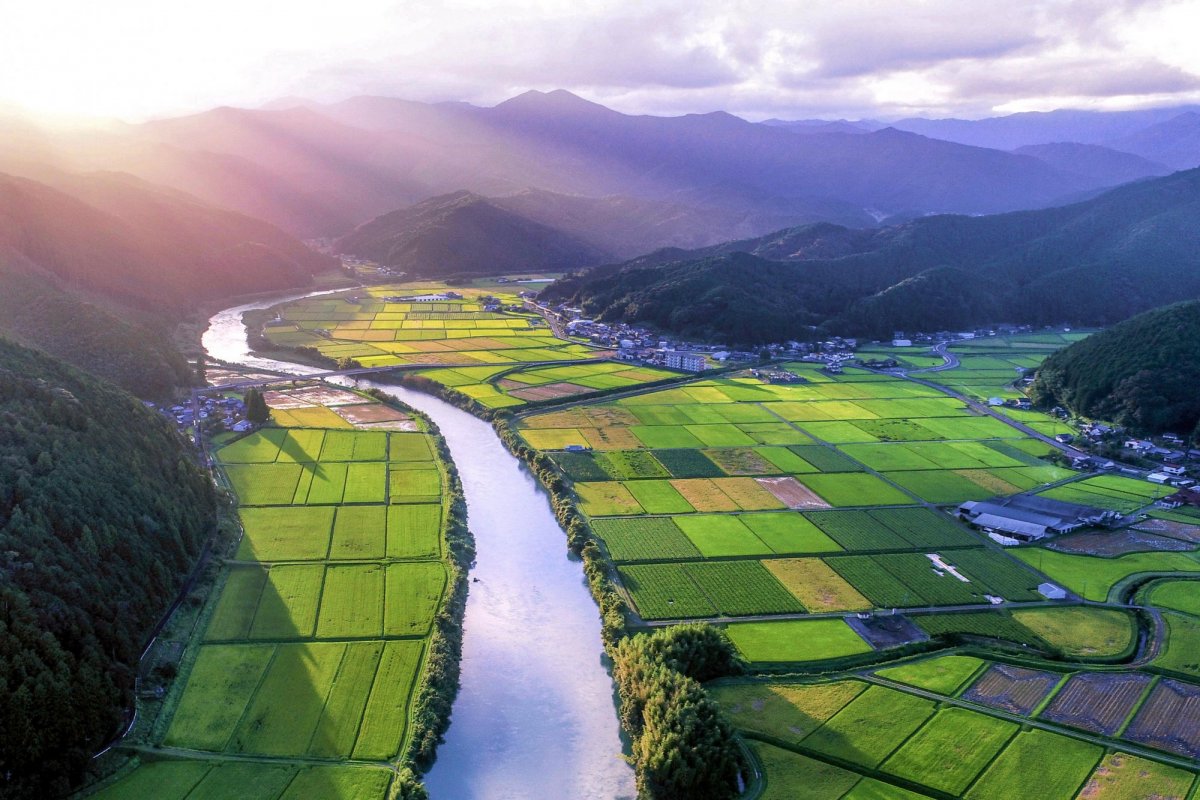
x=102, y=514
x=1142, y=373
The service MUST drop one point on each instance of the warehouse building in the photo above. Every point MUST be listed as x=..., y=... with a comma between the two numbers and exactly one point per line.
x=1028, y=518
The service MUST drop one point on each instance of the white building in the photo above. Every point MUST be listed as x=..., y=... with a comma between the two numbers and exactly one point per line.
x=688, y=362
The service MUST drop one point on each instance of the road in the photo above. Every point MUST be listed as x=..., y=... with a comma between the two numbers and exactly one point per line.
x=949, y=360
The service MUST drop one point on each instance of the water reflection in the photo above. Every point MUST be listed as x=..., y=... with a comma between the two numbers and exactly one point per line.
x=535, y=715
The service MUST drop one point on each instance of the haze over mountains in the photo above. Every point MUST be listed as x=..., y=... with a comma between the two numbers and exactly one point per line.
x=1095, y=262
x=159, y=215
x=323, y=169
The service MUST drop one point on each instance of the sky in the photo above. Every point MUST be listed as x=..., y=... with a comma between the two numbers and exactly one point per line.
x=882, y=59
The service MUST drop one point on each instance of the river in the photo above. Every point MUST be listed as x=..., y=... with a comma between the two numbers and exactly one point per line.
x=535, y=716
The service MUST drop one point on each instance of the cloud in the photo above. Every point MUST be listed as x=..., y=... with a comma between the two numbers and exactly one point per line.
x=877, y=58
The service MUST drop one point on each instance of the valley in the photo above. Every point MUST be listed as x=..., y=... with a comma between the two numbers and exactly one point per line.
x=813, y=522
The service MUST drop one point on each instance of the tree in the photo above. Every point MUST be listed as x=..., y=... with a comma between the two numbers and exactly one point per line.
x=256, y=407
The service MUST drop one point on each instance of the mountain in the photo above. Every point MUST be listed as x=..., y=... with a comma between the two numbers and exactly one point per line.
x=1039, y=127
x=323, y=169
x=144, y=245
x=1094, y=162
x=627, y=226
x=129, y=349
x=1095, y=262
x=102, y=513
x=1174, y=142
x=1142, y=372
x=463, y=233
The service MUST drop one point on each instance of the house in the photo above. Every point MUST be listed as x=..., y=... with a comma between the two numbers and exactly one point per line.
x=576, y=448
x=1138, y=445
x=995, y=401
x=1064, y=438
x=902, y=343
x=1173, y=438
x=242, y=426
x=688, y=362
x=1174, y=470
x=1158, y=477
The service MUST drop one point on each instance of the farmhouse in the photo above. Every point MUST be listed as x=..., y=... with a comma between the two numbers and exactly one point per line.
x=1029, y=517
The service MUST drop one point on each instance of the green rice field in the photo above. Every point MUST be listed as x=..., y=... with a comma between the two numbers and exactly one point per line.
x=314, y=643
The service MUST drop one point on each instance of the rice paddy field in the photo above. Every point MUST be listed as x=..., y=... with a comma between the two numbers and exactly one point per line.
x=313, y=644
x=783, y=512
x=483, y=343
x=823, y=492
x=811, y=521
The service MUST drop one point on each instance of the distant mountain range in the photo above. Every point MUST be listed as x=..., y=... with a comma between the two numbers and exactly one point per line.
x=1095, y=262
x=160, y=215
x=325, y=169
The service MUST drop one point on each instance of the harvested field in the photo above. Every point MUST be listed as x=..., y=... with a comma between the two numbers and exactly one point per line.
x=368, y=413
x=1097, y=701
x=1121, y=776
x=277, y=399
x=1016, y=690
x=1116, y=543
x=549, y=391
x=1167, y=720
x=322, y=396
x=792, y=493
x=882, y=631
x=1168, y=527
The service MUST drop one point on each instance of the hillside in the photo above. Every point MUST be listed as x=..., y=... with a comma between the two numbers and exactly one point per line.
x=101, y=515
x=1142, y=373
x=1095, y=262
x=463, y=233
x=144, y=245
x=137, y=356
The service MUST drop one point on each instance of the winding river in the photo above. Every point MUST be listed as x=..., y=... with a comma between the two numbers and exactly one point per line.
x=535, y=714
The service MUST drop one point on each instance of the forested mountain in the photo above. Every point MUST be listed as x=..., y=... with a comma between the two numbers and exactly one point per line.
x=101, y=516
x=145, y=245
x=136, y=355
x=463, y=233
x=1143, y=372
x=1095, y=262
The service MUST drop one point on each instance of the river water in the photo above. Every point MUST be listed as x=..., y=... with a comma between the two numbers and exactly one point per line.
x=535, y=716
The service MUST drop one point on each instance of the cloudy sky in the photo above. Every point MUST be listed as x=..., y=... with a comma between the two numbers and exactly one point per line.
x=756, y=58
